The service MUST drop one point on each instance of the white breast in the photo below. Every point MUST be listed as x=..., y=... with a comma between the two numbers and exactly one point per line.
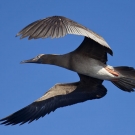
x=92, y=68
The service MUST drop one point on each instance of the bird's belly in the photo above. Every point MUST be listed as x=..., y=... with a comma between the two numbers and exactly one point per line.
x=100, y=73
x=93, y=68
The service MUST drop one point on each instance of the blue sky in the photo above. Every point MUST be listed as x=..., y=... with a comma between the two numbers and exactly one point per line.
x=21, y=84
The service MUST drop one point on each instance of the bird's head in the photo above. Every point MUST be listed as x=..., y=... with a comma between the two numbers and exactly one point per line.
x=39, y=59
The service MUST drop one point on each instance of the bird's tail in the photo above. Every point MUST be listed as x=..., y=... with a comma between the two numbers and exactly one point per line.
x=126, y=81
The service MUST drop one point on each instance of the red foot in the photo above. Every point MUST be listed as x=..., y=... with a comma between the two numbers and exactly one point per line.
x=112, y=71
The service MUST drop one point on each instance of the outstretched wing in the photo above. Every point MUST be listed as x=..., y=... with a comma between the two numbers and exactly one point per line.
x=58, y=26
x=58, y=96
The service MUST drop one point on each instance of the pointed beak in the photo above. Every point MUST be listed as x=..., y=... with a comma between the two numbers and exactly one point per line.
x=33, y=60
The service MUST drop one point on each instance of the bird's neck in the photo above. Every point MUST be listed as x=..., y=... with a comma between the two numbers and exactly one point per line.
x=58, y=60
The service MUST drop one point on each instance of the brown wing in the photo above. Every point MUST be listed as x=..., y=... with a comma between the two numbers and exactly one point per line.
x=58, y=96
x=92, y=49
x=58, y=26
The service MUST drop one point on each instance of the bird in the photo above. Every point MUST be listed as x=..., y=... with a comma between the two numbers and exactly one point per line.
x=88, y=60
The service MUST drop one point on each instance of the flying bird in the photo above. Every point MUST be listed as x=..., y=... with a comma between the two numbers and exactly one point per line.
x=89, y=61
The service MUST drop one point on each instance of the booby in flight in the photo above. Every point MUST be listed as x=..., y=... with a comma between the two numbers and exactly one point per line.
x=88, y=61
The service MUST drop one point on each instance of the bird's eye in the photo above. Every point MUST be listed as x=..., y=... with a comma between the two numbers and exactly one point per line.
x=38, y=56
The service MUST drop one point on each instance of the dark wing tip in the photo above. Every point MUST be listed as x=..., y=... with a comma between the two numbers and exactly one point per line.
x=109, y=51
x=29, y=113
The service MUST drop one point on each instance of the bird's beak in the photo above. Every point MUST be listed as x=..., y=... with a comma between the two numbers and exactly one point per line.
x=33, y=60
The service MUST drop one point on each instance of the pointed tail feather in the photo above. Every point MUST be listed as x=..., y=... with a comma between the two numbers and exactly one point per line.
x=126, y=81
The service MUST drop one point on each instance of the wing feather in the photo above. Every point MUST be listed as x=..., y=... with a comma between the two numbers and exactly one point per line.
x=58, y=96
x=59, y=26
